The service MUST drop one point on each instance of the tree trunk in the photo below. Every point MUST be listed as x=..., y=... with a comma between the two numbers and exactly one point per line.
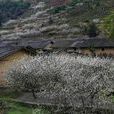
x=34, y=95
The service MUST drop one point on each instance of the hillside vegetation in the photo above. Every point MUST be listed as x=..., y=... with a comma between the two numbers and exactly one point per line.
x=70, y=20
x=108, y=25
x=11, y=9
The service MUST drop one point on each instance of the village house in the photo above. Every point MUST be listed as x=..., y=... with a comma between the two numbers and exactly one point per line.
x=12, y=51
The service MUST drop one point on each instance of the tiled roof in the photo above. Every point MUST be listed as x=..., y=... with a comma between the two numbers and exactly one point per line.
x=9, y=47
x=7, y=51
x=93, y=42
x=38, y=44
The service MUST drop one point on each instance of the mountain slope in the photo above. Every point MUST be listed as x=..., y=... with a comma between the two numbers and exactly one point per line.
x=40, y=22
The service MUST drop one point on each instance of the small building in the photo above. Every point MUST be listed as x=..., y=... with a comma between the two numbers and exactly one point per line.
x=95, y=46
x=86, y=46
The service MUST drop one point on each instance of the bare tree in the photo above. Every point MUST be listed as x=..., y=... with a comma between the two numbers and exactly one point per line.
x=77, y=82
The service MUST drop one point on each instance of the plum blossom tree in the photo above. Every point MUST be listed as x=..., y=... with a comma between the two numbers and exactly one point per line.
x=77, y=82
x=86, y=83
x=36, y=74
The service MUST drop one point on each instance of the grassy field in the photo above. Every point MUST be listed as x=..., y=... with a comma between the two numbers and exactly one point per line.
x=19, y=108
x=16, y=108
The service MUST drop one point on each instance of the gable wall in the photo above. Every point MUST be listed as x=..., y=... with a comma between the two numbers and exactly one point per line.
x=8, y=62
x=98, y=52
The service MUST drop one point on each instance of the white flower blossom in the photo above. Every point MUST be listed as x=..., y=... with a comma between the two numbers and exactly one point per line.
x=74, y=80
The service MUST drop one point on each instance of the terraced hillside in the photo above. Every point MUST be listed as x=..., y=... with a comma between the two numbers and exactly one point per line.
x=41, y=21
x=38, y=24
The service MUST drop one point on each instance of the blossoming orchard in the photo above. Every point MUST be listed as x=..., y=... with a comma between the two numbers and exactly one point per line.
x=80, y=83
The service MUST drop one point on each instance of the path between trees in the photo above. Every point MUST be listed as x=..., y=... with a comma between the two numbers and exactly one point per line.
x=46, y=99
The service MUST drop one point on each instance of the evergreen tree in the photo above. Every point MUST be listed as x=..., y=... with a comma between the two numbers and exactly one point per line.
x=10, y=9
x=92, y=30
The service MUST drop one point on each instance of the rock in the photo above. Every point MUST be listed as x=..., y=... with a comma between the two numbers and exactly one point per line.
x=96, y=20
x=63, y=26
x=39, y=6
x=75, y=30
x=80, y=4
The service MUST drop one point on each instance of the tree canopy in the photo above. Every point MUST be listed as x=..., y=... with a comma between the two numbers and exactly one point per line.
x=10, y=9
x=74, y=80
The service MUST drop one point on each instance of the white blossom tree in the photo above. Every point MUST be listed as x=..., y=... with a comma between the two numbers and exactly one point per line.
x=88, y=83
x=36, y=74
x=77, y=82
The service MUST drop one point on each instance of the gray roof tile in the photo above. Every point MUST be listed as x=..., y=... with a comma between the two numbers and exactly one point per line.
x=8, y=47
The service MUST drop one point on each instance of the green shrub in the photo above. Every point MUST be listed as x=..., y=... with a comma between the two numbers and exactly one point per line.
x=58, y=9
x=3, y=105
x=108, y=25
x=92, y=30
